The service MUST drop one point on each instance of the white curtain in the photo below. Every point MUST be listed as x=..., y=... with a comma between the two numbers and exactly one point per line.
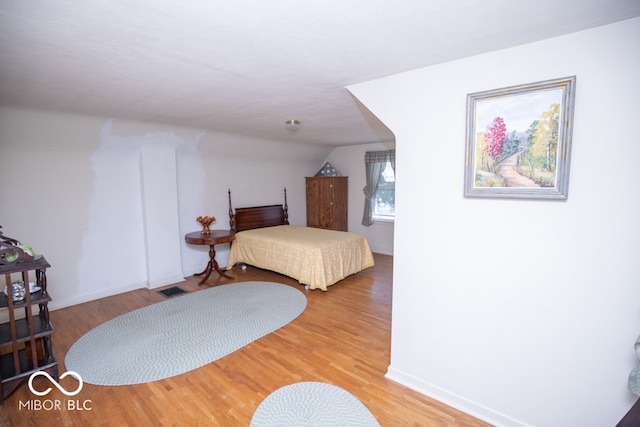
x=374, y=162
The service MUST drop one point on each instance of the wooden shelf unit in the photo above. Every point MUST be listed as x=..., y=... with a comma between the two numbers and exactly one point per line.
x=25, y=343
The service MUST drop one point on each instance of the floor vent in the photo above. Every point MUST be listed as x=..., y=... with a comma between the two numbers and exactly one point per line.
x=170, y=292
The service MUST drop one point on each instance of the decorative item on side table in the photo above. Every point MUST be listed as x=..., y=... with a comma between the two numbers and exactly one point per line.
x=632, y=417
x=633, y=383
x=17, y=290
x=206, y=221
x=12, y=251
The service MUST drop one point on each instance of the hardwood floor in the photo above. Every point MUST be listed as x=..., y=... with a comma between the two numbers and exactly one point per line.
x=342, y=338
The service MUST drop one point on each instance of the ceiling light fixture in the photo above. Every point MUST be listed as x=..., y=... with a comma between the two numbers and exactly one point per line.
x=292, y=126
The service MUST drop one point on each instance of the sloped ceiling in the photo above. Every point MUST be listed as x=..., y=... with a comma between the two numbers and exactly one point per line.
x=247, y=66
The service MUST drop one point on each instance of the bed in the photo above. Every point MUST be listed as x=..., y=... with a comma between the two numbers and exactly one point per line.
x=317, y=258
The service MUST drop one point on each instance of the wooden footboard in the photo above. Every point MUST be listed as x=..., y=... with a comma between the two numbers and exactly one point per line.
x=258, y=216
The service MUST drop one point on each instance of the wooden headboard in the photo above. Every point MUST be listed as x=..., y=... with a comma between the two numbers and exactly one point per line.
x=258, y=216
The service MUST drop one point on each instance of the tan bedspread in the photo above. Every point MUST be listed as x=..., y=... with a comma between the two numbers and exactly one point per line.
x=315, y=257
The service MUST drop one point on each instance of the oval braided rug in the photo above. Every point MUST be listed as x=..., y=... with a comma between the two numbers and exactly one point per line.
x=312, y=404
x=178, y=335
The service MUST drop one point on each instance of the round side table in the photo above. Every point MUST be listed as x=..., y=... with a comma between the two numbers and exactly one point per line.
x=216, y=237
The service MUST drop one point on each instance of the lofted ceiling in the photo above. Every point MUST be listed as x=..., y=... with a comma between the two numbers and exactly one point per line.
x=247, y=66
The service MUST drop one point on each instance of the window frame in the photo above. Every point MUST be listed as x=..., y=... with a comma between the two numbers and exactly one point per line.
x=378, y=217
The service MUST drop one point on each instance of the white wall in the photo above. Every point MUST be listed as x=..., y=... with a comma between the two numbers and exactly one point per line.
x=349, y=161
x=85, y=191
x=520, y=312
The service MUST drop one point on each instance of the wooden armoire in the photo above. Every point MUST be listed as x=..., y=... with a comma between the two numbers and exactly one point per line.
x=327, y=201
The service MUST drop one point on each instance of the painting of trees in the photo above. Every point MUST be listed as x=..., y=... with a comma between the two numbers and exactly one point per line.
x=482, y=159
x=495, y=136
x=545, y=137
x=536, y=159
x=519, y=137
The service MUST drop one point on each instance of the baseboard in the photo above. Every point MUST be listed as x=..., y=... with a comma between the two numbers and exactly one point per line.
x=58, y=303
x=455, y=401
x=381, y=251
x=165, y=281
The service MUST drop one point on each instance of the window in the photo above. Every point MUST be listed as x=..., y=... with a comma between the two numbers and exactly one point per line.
x=380, y=191
x=384, y=203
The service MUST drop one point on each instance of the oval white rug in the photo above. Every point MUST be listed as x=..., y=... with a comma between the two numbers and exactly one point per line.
x=178, y=335
x=312, y=404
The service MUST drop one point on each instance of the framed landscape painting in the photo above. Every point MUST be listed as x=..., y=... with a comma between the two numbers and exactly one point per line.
x=519, y=141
